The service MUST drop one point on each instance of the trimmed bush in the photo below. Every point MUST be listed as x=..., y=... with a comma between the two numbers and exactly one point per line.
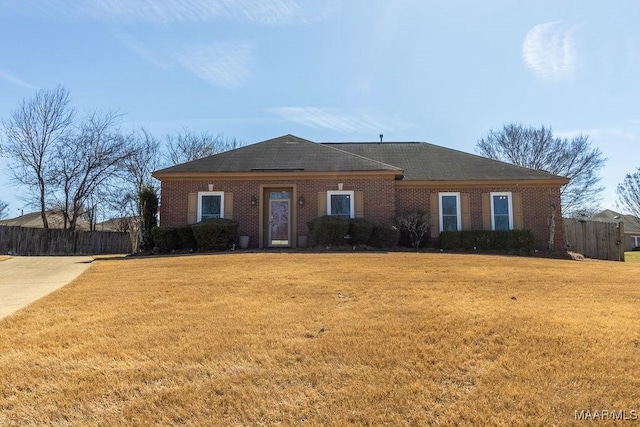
x=360, y=231
x=486, y=240
x=482, y=240
x=217, y=234
x=186, y=240
x=384, y=236
x=329, y=230
x=165, y=238
x=451, y=240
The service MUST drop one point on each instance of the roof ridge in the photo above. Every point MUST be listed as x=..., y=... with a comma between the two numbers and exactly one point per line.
x=361, y=157
x=373, y=142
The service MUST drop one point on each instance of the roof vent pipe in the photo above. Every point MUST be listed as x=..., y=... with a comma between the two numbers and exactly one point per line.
x=381, y=135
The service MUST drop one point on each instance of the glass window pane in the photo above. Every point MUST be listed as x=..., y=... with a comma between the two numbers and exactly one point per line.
x=279, y=194
x=501, y=222
x=449, y=205
x=341, y=205
x=501, y=205
x=449, y=223
x=211, y=207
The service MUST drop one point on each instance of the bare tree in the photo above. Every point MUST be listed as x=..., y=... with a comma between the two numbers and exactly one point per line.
x=130, y=219
x=145, y=158
x=186, y=146
x=538, y=148
x=3, y=209
x=32, y=131
x=629, y=194
x=86, y=163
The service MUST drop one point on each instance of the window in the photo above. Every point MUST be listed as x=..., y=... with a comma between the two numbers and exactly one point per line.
x=636, y=241
x=449, y=211
x=501, y=211
x=210, y=205
x=340, y=203
x=279, y=194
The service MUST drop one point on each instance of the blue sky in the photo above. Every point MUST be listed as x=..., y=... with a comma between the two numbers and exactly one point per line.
x=413, y=70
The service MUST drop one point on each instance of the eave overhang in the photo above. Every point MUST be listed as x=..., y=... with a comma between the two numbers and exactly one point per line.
x=281, y=174
x=552, y=182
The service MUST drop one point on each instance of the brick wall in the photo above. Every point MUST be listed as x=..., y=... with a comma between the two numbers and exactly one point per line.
x=536, y=207
x=378, y=196
x=382, y=202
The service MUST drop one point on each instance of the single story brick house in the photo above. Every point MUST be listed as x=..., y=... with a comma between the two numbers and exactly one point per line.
x=273, y=188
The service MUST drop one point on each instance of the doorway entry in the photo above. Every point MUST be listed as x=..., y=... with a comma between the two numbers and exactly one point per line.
x=278, y=211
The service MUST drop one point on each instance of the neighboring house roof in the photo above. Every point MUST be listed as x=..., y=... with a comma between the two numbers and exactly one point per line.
x=286, y=153
x=631, y=223
x=114, y=224
x=34, y=220
x=409, y=161
x=56, y=220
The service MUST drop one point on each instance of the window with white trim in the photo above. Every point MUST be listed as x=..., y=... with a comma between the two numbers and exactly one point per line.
x=501, y=211
x=210, y=205
x=341, y=203
x=636, y=241
x=449, y=211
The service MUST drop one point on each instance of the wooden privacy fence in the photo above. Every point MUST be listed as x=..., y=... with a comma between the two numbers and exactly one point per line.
x=595, y=239
x=38, y=241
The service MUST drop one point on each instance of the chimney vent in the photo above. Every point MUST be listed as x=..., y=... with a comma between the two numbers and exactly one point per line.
x=381, y=135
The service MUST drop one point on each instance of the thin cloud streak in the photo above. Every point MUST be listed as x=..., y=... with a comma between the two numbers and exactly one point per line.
x=321, y=118
x=225, y=64
x=266, y=12
x=549, y=50
x=16, y=81
x=142, y=51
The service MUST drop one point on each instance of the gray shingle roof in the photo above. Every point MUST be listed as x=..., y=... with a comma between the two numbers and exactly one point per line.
x=286, y=153
x=631, y=223
x=427, y=162
x=417, y=161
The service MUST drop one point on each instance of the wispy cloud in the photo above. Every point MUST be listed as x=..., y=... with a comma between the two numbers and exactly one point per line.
x=331, y=119
x=143, y=51
x=15, y=80
x=549, y=50
x=225, y=64
x=267, y=12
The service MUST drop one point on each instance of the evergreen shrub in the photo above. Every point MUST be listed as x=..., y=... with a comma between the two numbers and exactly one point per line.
x=384, y=235
x=329, y=230
x=217, y=234
x=165, y=238
x=488, y=240
x=359, y=231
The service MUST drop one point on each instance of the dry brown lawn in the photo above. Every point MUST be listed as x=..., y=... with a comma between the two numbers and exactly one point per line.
x=326, y=339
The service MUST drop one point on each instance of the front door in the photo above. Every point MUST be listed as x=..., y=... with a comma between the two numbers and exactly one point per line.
x=279, y=218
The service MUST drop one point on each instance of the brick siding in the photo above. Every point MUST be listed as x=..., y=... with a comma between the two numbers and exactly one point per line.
x=536, y=207
x=378, y=195
x=382, y=202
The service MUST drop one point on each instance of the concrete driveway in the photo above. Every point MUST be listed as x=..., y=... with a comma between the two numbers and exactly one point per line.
x=26, y=279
